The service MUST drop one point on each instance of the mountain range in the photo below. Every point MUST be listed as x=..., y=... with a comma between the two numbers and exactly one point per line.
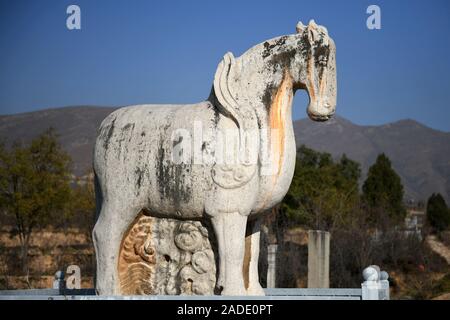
x=419, y=154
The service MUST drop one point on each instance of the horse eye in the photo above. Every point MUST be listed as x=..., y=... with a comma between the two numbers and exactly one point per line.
x=323, y=60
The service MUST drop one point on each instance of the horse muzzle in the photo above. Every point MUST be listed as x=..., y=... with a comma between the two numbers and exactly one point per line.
x=321, y=112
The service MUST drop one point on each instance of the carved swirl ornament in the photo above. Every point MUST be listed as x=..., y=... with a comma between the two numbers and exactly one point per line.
x=186, y=266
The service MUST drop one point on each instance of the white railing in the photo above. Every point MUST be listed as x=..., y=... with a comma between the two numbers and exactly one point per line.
x=374, y=287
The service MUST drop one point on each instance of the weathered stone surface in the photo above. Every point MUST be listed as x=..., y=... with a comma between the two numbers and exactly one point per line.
x=227, y=160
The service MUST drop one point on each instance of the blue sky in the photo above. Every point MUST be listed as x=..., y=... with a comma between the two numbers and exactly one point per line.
x=131, y=52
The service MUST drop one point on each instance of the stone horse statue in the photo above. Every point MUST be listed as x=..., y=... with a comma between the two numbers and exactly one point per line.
x=142, y=164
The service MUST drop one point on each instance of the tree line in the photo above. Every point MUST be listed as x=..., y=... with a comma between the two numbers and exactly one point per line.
x=325, y=194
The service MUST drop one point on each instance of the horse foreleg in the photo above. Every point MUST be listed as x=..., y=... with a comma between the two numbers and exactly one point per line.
x=108, y=232
x=218, y=229
x=253, y=237
x=230, y=233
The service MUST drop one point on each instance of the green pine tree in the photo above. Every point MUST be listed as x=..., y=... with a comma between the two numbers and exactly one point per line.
x=322, y=191
x=383, y=192
x=438, y=214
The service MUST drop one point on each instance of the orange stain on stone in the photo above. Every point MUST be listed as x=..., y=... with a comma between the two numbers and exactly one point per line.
x=277, y=121
x=312, y=93
x=280, y=103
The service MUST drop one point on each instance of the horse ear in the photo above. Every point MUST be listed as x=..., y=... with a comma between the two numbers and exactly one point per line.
x=222, y=88
x=316, y=31
x=312, y=31
x=300, y=27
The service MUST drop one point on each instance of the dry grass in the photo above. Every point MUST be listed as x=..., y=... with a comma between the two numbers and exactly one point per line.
x=50, y=250
x=43, y=238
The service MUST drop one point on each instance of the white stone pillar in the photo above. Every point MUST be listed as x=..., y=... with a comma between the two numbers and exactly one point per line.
x=271, y=265
x=318, y=259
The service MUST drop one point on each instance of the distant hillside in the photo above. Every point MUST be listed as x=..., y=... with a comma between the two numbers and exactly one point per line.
x=420, y=155
x=76, y=126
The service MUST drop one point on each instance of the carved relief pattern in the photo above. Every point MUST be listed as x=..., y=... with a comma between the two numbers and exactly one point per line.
x=137, y=259
x=166, y=257
x=232, y=176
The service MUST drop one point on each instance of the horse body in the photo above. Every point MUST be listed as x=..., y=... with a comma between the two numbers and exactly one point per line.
x=172, y=160
x=133, y=152
x=133, y=163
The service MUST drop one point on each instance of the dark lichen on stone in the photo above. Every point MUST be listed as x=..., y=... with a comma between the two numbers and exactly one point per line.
x=177, y=141
x=305, y=46
x=282, y=60
x=128, y=126
x=213, y=104
x=321, y=56
x=268, y=47
x=172, y=185
x=266, y=98
x=139, y=173
x=109, y=134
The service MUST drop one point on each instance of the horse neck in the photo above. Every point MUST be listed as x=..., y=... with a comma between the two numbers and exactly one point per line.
x=270, y=95
x=268, y=87
x=265, y=81
x=280, y=115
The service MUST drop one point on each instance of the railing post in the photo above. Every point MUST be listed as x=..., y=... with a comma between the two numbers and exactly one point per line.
x=375, y=285
x=384, y=286
x=59, y=283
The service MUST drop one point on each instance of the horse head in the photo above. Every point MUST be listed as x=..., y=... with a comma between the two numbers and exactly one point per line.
x=319, y=75
x=248, y=85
